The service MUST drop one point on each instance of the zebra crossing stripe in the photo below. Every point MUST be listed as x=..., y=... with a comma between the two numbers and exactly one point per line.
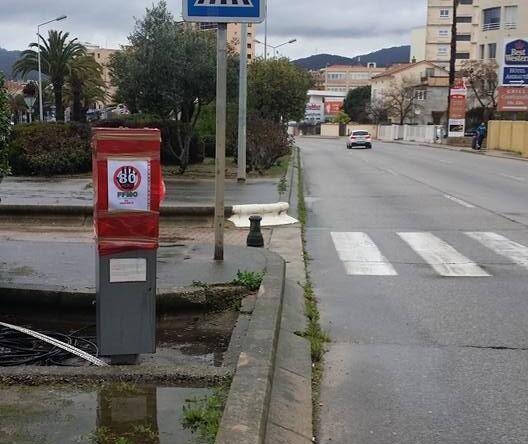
x=215, y=3
x=503, y=246
x=442, y=257
x=361, y=256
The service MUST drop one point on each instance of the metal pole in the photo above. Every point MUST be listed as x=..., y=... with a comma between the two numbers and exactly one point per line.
x=221, y=110
x=452, y=60
x=242, y=106
x=266, y=33
x=41, y=105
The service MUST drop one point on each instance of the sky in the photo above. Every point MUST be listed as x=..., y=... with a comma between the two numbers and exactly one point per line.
x=343, y=27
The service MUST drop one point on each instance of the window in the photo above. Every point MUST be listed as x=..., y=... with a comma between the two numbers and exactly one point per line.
x=429, y=72
x=462, y=55
x=491, y=19
x=443, y=50
x=463, y=37
x=444, y=13
x=510, y=17
x=464, y=19
x=443, y=33
x=336, y=76
x=482, y=52
x=421, y=94
x=465, y=2
x=492, y=50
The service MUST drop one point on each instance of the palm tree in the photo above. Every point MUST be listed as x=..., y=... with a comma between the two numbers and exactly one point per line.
x=57, y=55
x=84, y=85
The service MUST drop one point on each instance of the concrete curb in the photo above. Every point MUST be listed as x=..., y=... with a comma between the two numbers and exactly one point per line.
x=195, y=375
x=87, y=210
x=246, y=411
x=167, y=299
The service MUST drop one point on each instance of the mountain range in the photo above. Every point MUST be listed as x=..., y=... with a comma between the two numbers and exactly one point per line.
x=7, y=59
x=383, y=58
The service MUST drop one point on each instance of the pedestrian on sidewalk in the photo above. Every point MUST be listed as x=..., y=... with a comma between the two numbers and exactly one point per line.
x=480, y=135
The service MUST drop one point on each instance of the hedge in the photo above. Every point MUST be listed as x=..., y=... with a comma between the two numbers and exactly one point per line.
x=49, y=149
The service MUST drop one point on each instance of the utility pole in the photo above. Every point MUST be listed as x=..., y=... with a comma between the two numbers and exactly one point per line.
x=266, y=33
x=221, y=111
x=242, y=105
x=452, y=59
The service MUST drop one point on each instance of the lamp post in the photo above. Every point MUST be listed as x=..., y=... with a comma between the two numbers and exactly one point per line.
x=289, y=42
x=41, y=105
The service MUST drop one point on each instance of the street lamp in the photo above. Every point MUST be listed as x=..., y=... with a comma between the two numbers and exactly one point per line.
x=41, y=106
x=289, y=42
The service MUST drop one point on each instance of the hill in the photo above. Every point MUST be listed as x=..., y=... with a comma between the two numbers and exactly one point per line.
x=7, y=59
x=383, y=57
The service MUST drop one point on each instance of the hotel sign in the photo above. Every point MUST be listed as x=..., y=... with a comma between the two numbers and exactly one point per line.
x=514, y=67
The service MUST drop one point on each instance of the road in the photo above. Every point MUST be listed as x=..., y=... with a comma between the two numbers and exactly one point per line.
x=420, y=262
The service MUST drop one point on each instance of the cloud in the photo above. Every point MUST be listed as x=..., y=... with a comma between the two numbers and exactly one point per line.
x=346, y=27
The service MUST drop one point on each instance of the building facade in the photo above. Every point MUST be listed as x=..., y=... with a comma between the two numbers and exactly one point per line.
x=418, y=36
x=102, y=56
x=323, y=105
x=430, y=85
x=500, y=19
x=482, y=26
x=233, y=36
x=343, y=78
x=438, y=31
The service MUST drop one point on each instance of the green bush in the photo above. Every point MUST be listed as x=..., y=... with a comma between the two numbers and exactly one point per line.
x=170, y=145
x=51, y=148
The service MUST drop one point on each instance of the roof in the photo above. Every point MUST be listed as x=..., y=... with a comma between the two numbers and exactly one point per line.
x=405, y=66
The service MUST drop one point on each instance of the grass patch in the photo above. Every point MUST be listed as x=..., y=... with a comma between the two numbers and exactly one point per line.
x=249, y=279
x=203, y=415
x=314, y=333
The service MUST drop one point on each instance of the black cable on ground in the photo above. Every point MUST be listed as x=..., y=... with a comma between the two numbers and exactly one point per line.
x=19, y=349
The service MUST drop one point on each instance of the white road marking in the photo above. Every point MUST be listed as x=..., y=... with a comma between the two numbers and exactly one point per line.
x=459, y=201
x=503, y=246
x=361, y=256
x=444, y=259
x=518, y=179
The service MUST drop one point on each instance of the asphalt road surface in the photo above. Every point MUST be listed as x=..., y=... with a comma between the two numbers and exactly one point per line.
x=420, y=262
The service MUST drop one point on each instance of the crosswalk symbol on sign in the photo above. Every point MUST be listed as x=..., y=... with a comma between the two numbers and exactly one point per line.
x=226, y=3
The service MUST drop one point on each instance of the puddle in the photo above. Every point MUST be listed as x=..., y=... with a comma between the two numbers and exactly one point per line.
x=111, y=414
x=188, y=338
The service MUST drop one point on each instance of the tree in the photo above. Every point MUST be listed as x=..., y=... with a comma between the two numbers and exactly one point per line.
x=169, y=70
x=5, y=127
x=57, y=55
x=482, y=78
x=84, y=85
x=341, y=117
x=277, y=90
x=356, y=104
x=400, y=101
x=378, y=112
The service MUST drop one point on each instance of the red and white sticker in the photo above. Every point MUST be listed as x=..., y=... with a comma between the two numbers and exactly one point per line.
x=128, y=185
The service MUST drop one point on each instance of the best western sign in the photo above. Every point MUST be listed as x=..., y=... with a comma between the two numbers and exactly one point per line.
x=514, y=67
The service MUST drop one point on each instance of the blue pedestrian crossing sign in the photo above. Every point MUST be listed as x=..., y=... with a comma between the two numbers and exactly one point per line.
x=224, y=11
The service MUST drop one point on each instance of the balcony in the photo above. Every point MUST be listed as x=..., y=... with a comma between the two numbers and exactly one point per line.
x=491, y=26
x=510, y=25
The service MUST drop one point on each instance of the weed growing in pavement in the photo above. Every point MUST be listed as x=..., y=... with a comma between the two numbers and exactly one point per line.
x=249, y=279
x=282, y=186
x=314, y=333
x=203, y=415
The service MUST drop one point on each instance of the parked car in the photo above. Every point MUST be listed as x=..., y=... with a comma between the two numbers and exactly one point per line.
x=359, y=138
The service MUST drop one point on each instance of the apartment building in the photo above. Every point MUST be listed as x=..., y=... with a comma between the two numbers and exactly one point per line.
x=500, y=19
x=438, y=32
x=102, y=56
x=343, y=78
x=234, y=33
x=482, y=26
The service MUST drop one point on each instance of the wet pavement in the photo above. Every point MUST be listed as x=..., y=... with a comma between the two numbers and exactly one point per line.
x=71, y=265
x=113, y=413
x=79, y=191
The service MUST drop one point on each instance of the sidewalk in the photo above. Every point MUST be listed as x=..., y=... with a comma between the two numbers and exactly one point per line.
x=180, y=192
x=490, y=153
